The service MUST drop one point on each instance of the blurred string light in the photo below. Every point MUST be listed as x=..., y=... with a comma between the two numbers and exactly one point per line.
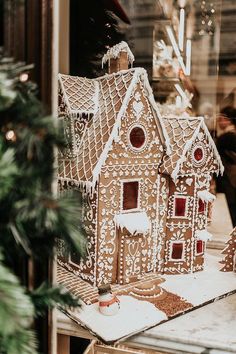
x=182, y=4
x=207, y=9
x=10, y=135
x=176, y=48
x=24, y=77
x=182, y=47
x=185, y=95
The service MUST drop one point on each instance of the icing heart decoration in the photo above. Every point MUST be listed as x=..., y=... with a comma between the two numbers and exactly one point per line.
x=144, y=252
x=138, y=107
x=133, y=248
x=110, y=260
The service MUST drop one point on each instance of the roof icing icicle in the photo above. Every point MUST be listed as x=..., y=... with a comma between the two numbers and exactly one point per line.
x=114, y=53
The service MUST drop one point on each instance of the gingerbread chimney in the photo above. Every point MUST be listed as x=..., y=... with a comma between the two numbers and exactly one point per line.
x=118, y=57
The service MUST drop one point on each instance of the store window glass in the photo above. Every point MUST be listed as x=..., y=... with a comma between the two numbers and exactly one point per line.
x=188, y=49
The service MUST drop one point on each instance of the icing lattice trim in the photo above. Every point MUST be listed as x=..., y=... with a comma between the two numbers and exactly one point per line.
x=182, y=143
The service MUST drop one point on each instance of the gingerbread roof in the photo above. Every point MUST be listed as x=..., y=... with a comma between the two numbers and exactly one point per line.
x=80, y=94
x=113, y=93
x=182, y=134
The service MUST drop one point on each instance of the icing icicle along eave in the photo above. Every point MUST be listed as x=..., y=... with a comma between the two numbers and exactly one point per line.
x=114, y=52
x=81, y=185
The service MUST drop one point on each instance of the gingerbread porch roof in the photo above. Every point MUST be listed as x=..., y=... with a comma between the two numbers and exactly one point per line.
x=112, y=97
x=182, y=134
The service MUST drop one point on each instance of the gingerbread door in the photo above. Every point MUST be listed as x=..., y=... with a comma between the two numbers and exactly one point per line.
x=131, y=257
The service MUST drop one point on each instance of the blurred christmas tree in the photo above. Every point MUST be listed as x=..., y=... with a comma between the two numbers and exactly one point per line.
x=31, y=216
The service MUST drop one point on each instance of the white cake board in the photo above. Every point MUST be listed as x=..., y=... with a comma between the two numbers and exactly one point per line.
x=202, y=287
x=135, y=316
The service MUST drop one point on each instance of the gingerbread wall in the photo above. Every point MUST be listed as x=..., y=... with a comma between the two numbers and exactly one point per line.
x=201, y=218
x=202, y=169
x=85, y=267
x=179, y=228
x=117, y=261
x=194, y=176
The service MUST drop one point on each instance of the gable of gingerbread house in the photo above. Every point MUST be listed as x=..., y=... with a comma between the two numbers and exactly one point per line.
x=77, y=103
x=193, y=151
x=113, y=96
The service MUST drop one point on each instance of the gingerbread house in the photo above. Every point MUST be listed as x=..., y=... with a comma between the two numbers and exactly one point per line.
x=144, y=178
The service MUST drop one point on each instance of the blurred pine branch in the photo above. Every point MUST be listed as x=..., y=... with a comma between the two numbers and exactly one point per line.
x=32, y=217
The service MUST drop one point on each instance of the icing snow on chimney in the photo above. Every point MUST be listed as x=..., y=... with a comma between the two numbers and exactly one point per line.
x=118, y=57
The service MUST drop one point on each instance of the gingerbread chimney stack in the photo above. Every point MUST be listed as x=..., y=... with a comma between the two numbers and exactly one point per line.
x=118, y=57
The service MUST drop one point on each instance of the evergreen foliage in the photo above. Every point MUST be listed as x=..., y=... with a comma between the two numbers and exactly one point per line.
x=31, y=216
x=93, y=30
x=16, y=314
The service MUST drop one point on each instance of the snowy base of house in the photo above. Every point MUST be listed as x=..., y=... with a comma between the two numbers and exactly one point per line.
x=138, y=314
x=202, y=287
x=133, y=317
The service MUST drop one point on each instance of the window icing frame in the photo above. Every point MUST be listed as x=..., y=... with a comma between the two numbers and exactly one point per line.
x=122, y=182
x=205, y=207
x=199, y=145
x=185, y=216
x=203, y=248
x=141, y=148
x=171, y=243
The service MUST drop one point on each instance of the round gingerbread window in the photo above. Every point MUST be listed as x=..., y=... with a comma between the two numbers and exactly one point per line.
x=198, y=154
x=137, y=137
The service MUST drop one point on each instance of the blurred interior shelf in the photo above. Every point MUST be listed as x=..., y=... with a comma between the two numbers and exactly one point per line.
x=221, y=224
